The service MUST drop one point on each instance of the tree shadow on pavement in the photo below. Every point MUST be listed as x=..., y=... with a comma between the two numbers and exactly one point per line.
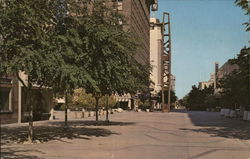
x=93, y=123
x=54, y=131
x=11, y=153
x=215, y=125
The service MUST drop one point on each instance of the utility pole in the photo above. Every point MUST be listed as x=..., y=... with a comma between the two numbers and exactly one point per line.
x=166, y=60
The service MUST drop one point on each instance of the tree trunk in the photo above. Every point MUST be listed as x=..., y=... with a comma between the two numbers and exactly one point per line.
x=28, y=89
x=66, y=111
x=30, y=107
x=107, y=108
x=96, y=108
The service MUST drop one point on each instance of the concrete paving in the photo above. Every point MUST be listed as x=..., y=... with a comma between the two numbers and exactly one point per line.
x=133, y=135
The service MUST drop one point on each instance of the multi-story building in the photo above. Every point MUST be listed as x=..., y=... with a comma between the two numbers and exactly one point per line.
x=137, y=15
x=173, y=82
x=220, y=72
x=206, y=84
x=226, y=69
x=156, y=55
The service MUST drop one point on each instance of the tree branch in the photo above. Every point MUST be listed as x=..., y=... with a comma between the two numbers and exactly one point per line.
x=19, y=78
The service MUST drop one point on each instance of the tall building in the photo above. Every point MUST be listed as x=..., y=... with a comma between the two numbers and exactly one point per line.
x=137, y=13
x=156, y=55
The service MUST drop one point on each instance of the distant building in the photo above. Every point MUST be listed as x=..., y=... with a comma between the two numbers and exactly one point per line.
x=226, y=69
x=220, y=72
x=137, y=13
x=173, y=83
x=156, y=55
x=206, y=84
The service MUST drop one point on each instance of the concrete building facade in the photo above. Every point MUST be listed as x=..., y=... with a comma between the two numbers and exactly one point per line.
x=206, y=84
x=173, y=79
x=219, y=73
x=156, y=55
x=137, y=14
x=13, y=106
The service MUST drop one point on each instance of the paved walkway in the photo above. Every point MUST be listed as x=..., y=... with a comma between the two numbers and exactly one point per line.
x=132, y=135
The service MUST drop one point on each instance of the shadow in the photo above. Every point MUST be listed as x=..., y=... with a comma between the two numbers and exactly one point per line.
x=93, y=123
x=215, y=125
x=10, y=153
x=179, y=110
x=55, y=131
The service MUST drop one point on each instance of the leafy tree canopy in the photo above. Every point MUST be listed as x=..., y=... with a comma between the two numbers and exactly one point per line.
x=244, y=4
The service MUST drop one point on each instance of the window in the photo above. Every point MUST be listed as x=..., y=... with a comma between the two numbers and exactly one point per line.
x=5, y=99
x=152, y=25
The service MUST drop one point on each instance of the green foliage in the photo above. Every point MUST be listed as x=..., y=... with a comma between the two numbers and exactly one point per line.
x=198, y=99
x=81, y=99
x=145, y=105
x=244, y=4
x=25, y=30
x=173, y=97
x=235, y=86
x=113, y=67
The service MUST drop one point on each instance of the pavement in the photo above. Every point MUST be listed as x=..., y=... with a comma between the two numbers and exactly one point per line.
x=132, y=135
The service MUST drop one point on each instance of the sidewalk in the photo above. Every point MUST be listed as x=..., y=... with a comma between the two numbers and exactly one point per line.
x=133, y=135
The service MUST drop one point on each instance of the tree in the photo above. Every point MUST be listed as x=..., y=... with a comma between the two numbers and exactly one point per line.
x=198, y=99
x=244, y=4
x=80, y=99
x=173, y=97
x=71, y=40
x=43, y=41
x=25, y=30
x=235, y=86
x=113, y=67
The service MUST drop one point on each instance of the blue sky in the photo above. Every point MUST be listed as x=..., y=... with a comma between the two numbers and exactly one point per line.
x=203, y=32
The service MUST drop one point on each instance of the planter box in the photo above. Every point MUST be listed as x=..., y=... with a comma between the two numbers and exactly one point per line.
x=232, y=114
x=248, y=116
x=85, y=114
x=147, y=110
x=222, y=112
x=52, y=114
x=76, y=114
x=245, y=115
x=92, y=113
x=227, y=112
